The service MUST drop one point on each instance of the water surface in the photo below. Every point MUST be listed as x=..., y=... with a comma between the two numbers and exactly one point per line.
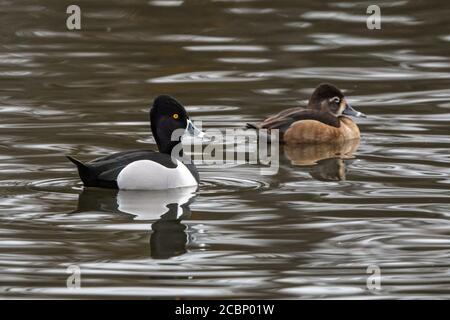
x=310, y=231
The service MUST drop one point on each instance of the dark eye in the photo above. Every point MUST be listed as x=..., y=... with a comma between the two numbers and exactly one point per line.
x=175, y=116
x=335, y=99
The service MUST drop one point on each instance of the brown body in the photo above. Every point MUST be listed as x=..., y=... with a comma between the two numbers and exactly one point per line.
x=321, y=121
x=304, y=126
x=313, y=131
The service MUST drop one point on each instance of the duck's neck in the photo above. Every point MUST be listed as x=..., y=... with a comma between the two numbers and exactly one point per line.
x=323, y=109
x=167, y=143
x=313, y=106
x=172, y=148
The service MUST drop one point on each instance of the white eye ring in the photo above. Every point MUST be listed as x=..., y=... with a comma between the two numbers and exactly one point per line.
x=335, y=99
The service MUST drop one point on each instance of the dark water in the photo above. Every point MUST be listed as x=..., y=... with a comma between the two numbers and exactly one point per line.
x=308, y=232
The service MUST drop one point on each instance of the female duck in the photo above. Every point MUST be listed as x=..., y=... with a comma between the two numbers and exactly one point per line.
x=146, y=169
x=322, y=121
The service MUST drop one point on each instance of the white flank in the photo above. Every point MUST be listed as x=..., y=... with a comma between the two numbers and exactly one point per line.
x=149, y=175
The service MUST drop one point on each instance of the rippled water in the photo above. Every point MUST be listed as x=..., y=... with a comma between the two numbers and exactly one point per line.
x=310, y=231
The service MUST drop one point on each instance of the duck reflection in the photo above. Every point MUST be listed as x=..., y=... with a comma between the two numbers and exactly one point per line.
x=328, y=161
x=167, y=208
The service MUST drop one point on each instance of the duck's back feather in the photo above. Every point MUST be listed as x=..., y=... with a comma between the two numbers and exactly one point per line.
x=283, y=120
x=303, y=125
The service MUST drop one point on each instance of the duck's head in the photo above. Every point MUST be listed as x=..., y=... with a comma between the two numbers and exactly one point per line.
x=328, y=98
x=169, y=122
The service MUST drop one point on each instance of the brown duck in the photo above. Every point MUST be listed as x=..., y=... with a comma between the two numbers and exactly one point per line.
x=322, y=121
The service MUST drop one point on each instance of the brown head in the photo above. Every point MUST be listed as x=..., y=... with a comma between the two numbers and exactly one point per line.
x=328, y=98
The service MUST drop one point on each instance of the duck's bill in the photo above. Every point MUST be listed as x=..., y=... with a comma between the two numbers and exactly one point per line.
x=193, y=130
x=349, y=111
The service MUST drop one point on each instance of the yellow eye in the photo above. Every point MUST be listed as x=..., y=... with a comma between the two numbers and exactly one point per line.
x=175, y=116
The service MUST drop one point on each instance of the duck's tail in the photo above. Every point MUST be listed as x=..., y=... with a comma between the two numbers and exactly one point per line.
x=83, y=170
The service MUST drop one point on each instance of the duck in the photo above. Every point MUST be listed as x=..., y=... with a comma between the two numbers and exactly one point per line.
x=324, y=120
x=148, y=169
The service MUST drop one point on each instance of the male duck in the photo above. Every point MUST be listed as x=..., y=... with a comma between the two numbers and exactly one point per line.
x=146, y=169
x=322, y=121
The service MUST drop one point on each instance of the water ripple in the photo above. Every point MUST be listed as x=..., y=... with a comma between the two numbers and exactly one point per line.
x=351, y=18
x=205, y=76
x=351, y=73
x=309, y=231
